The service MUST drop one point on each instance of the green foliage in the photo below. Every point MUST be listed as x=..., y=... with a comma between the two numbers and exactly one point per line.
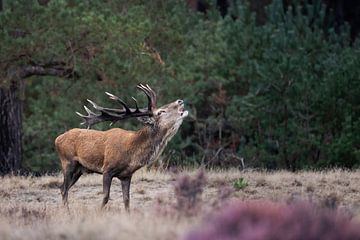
x=303, y=84
x=240, y=184
x=280, y=95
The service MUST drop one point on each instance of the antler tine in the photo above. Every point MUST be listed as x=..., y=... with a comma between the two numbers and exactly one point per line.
x=88, y=110
x=136, y=105
x=153, y=94
x=142, y=88
x=113, y=97
x=91, y=118
x=150, y=95
x=81, y=115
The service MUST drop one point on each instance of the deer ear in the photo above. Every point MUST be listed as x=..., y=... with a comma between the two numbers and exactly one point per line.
x=146, y=120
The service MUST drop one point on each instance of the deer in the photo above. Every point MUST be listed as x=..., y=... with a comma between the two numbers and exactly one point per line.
x=117, y=153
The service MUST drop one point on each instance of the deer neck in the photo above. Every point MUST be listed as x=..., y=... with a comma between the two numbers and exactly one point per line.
x=154, y=139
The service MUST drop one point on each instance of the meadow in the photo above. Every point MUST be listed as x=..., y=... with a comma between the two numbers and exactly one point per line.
x=31, y=208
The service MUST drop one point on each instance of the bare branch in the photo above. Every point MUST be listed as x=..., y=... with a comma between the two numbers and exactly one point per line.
x=42, y=71
x=57, y=69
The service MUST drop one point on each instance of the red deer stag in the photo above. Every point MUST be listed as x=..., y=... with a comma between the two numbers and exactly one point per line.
x=117, y=152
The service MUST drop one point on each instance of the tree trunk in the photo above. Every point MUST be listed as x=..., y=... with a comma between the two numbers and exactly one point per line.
x=10, y=129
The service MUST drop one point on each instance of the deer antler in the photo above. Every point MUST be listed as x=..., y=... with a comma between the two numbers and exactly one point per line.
x=150, y=94
x=114, y=115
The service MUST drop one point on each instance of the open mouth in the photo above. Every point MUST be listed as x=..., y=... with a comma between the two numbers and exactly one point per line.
x=183, y=112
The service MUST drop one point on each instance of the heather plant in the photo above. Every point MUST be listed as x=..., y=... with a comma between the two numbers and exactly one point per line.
x=24, y=214
x=255, y=220
x=188, y=190
x=224, y=193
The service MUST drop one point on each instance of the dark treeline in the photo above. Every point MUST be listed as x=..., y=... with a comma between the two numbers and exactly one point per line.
x=339, y=12
x=273, y=86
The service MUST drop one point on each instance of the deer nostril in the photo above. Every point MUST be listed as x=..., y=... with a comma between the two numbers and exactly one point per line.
x=180, y=101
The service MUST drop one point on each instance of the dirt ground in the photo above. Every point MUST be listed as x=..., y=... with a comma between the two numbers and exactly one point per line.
x=30, y=207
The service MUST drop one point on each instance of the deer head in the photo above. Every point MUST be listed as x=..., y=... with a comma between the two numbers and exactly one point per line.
x=167, y=116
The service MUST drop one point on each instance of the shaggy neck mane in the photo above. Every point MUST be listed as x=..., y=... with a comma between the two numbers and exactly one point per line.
x=154, y=140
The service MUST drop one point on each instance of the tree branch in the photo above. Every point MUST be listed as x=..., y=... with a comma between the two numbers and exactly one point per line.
x=46, y=70
x=29, y=71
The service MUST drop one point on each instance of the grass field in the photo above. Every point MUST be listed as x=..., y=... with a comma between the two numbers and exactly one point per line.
x=30, y=207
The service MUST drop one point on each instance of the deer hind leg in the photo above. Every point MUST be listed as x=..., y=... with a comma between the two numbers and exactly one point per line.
x=72, y=173
x=125, y=186
x=107, y=178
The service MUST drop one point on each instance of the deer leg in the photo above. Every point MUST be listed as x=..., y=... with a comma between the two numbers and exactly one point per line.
x=76, y=176
x=125, y=186
x=107, y=178
x=65, y=187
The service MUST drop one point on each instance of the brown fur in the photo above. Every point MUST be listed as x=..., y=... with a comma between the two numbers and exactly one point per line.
x=116, y=152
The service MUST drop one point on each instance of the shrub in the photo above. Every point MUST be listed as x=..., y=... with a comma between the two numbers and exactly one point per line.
x=267, y=220
x=188, y=192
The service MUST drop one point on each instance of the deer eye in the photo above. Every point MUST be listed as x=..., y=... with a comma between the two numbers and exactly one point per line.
x=160, y=112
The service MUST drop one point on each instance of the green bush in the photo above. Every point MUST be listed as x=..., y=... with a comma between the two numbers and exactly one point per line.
x=280, y=95
x=240, y=184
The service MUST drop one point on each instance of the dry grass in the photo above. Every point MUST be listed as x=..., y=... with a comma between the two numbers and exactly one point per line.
x=30, y=207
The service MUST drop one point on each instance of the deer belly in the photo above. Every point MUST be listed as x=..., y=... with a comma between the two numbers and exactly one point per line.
x=95, y=165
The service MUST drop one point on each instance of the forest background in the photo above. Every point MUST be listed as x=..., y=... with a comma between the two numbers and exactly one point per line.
x=272, y=85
